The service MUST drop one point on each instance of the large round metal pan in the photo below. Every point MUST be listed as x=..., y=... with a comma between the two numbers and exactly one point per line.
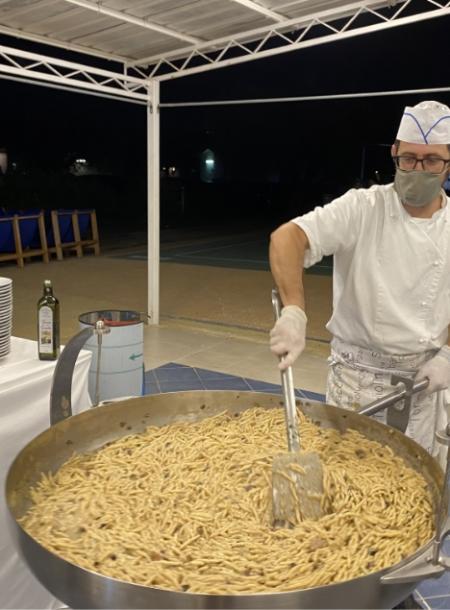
x=86, y=432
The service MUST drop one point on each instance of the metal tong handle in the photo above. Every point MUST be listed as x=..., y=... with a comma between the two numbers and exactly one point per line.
x=287, y=383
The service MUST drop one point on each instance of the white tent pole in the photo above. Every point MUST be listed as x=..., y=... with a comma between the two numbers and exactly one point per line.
x=305, y=98
x=153, y=203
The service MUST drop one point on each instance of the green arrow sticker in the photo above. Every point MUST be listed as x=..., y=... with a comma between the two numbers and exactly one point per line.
x=134, y=356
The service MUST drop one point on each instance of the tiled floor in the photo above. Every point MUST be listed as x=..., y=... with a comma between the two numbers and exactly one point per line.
x=173, y=377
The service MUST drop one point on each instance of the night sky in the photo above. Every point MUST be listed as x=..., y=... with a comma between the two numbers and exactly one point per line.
x=316, y=147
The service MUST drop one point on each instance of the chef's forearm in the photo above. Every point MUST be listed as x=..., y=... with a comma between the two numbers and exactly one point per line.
x=287, y=251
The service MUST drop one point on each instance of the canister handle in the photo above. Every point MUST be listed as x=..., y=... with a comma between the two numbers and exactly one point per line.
x=61, y=391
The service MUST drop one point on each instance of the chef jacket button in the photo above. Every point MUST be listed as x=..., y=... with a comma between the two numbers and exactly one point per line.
x=423, y=303
x=421, y=340
x=436, y=263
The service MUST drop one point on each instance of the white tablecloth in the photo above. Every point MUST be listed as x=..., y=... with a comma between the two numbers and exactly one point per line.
x=25, y=383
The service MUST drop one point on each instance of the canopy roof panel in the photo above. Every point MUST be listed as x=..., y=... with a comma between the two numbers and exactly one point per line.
x=133, y=30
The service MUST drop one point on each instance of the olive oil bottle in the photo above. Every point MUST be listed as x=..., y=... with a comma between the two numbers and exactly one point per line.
x=48, y=324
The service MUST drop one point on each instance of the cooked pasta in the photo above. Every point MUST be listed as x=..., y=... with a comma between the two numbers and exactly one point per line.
x=188, y=507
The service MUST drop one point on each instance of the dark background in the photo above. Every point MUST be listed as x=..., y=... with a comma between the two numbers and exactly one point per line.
x=273, y=161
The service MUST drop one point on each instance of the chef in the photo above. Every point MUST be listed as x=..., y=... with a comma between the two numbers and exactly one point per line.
x=391, y=278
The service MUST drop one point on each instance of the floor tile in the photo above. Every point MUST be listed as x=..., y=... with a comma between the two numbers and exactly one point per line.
x=164, y=347
x=421, y=603
x=312, y=395
x=176, y=375
x=180, y=386
x=207, y=375
x=152, y=388
x=214, y=361
x=149, y=376
x=171, y=365
x=435, y=586
x=439, y=603
x=236, y=383
x=262, y=386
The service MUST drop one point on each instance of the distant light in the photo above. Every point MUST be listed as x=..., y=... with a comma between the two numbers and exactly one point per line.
x=207, y=166
x=82, y=161
x=3, y=161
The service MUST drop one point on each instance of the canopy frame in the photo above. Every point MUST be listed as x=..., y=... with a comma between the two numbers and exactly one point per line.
x=137, y=79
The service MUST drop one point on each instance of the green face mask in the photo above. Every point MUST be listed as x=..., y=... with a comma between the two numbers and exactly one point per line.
x=417, y=188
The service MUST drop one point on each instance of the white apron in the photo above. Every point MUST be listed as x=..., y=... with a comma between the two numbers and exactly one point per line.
x=358, y=376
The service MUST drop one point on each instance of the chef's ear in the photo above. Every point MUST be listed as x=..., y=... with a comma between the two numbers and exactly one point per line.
x=394, y=148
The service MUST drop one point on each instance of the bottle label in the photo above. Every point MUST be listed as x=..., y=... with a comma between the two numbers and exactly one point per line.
x=45, y=330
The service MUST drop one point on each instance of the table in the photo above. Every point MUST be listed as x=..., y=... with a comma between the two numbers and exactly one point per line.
x=25, y=383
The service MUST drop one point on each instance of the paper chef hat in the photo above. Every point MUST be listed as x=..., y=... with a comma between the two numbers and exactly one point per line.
x=426, y=123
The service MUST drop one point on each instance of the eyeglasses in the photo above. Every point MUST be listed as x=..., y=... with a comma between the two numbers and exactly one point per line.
x=408, y=163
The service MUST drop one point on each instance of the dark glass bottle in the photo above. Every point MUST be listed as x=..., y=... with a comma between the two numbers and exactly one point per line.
x=48, y=324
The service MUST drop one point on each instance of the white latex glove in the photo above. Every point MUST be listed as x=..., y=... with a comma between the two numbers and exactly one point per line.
x=288, y=336
x=437, y=369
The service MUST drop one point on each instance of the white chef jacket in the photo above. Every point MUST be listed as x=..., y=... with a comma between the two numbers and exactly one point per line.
x=391, y=277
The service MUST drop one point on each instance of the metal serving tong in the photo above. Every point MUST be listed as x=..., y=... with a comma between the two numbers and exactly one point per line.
x=297, y=476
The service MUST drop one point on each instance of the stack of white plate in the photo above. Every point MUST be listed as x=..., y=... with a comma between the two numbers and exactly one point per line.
x=6, y=309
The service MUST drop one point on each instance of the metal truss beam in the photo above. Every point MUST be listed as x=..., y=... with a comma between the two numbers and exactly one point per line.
x=68, y=46
x=262, y=10
x=144, y=23
x=28, y=65
x=287, y=36
x=71, y=89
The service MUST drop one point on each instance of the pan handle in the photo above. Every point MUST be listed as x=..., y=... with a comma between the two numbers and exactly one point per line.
x=392, y=398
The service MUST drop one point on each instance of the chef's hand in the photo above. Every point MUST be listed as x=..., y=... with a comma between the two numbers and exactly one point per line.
x=437, y=369
x=288, y=336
